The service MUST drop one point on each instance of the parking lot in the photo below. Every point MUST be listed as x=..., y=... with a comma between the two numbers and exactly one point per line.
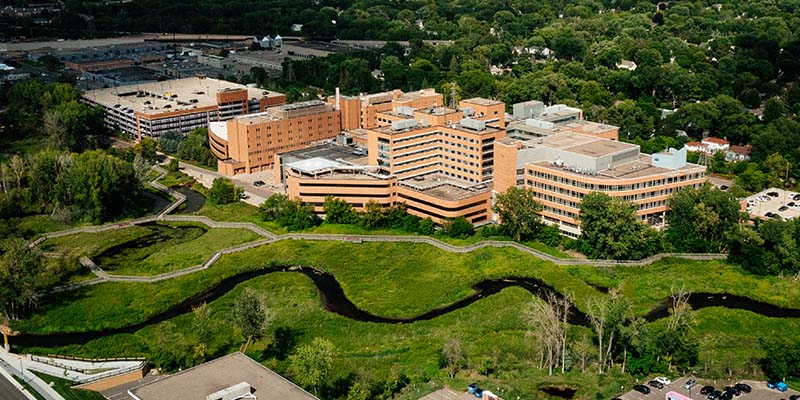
x=760, y=390
x=773, y=203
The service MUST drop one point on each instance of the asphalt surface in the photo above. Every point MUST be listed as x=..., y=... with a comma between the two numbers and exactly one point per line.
x=8, y=391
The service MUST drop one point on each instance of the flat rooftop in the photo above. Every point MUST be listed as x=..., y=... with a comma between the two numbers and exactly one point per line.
x=172, y=95
x=287, y=111
x=582, y=144
x=445, y=187
x=331, y=151
x=198, y=382
x=482, y=102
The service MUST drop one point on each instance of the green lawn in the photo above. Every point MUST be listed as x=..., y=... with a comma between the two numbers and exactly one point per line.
x=64, y=388
x=405, y=280
x=150, y=249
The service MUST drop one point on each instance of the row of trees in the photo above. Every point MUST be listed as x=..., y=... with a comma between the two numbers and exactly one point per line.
x=52, y=111
x=193, y=147
x=93, y=185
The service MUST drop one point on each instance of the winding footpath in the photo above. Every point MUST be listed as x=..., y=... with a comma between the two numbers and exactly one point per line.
x=269, y=237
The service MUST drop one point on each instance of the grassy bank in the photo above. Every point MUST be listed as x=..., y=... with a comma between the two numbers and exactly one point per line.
x=150, y=249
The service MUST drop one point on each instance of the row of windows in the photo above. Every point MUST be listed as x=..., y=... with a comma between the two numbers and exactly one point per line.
x=614, y=188
x=579, y=195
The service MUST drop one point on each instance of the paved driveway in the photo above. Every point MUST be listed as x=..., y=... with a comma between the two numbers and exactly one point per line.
x=8, y=391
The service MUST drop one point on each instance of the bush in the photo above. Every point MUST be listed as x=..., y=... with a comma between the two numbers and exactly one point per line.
x=550, y=235
x=426, y=227
x=292, y=214
x=223, y=191
x=173, y=165
x=458, y=227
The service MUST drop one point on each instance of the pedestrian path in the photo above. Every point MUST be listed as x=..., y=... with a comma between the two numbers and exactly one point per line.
x=18, y=365
x=269, y=237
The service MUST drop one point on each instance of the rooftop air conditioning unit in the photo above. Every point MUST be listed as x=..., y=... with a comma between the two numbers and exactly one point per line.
x=238, y=391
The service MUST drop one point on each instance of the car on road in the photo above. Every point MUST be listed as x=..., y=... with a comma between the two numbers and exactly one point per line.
x=690, y=384
x=664, y=381
x=706, y=389
x=642, y=389
x=656, y=384
x=743, y=387
x=259, y=183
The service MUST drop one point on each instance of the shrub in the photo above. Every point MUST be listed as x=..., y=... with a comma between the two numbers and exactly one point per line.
x=223, y=191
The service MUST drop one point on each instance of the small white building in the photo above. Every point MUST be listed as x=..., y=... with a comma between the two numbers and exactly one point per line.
x=627, y=64
x=738, y=153
x=709, y=145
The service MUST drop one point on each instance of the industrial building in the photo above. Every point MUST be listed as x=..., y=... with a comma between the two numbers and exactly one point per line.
x=249, y=143
x=564, y=167
x=177, y=105
x=362, y=111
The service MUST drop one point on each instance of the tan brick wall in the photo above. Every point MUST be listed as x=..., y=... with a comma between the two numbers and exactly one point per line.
x=114, y=381
x=505, y=166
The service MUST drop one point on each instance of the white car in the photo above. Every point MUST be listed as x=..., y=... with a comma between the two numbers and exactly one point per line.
x=663, y=380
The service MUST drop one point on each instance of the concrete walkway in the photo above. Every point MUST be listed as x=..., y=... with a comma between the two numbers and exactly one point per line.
x=268, y=237
x=18, y=366
x=80, y=371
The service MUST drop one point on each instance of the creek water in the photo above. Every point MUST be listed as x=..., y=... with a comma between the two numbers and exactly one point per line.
x=334, y=300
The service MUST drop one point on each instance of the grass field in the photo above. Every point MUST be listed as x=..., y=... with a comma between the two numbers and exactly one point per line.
x=404, y=280
x=150, y=249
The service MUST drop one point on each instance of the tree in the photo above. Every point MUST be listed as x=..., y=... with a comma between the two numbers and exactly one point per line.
x=778, y=169
x=99, y=184
x=141, y=169
x=147, y=149
x=293, y=214
x=782, y=356
x=548, y=321
x=338, y=211
x=223, y=191
x=312, y=363
x=20, y=270
x=458, y=227
x=452, y=356
x=774, y=109
x=607, y=316
x=610, y=229
x=169, y=141
x=173, y=165
x=699, y=219
x=251, y=315
x=373, y=215
x=519, y=213
x=74, y=126
x=195, y=148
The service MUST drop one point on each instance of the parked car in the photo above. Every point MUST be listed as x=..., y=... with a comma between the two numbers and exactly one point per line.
x=794, y=397
x=783, y=208
x=706, y=389
x=726, y=396
x=743, y=387
x=243, y=196
x=796, y=197
x=259, y=183
x=779, y=386
x=664, y=381
x=714, y=395
x=773, y=194
x=690, y=384
x=656, y=384
x=733, y=389
x=642, y=389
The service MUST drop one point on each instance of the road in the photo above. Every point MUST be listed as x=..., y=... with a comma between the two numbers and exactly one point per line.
x=256, y=195
x=8, y=391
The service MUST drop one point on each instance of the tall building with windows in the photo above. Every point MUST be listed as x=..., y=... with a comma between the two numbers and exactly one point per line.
x=151, y=109
x=564, y=167
x=249, y=143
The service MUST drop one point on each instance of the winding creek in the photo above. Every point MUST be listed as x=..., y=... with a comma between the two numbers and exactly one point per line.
x=334, y=300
